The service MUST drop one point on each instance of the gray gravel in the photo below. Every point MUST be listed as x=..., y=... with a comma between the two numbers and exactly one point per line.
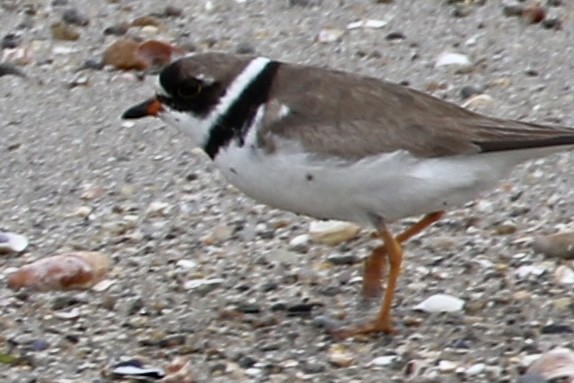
x=259, y=317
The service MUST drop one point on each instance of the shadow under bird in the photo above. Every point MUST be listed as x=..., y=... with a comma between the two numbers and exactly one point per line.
x=336, y=145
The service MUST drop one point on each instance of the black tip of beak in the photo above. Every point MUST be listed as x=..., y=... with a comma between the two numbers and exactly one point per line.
x=151, y=107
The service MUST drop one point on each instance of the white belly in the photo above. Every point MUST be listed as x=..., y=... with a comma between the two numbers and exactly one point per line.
x=393, y=186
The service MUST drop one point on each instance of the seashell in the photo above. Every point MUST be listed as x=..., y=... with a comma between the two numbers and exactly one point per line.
x=76, y=270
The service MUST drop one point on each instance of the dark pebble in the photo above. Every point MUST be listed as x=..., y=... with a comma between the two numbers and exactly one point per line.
x=556, y=329
x=512, y=10
x=326, y=323
x=269, y=286
x=191, y=177
x=11, y=40
x=73, y=16
x=313, y=368
x=304, y=3
x=247, y=361
x=342, y=259
x=218, y=368
x=135, y=306
x=64, y=302
x=269, y=347
x=469, y=91
x=552, y=23
x=172, y=11
x=117, y=29
x=39, y=345
x=9, y=69
x=244, y=48
x=532, y=72
x=248, y=308
x=59, y=3
x=172, y=341
x=396, y=36
x=302, y=309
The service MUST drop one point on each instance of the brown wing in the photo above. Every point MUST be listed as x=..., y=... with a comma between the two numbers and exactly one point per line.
x=335, y=113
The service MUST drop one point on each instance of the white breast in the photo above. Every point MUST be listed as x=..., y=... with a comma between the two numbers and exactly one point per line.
x=392, y=185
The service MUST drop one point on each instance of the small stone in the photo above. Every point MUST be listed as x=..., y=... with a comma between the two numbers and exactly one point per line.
x=470, y=91
x=158, y=209
x=476, y=369
x=525, y=271
x=9, y=69
x=339, y=259
x=172, y=11
x=330, y=35
x=440, y=303
x=12, y=242
x=333, y=232
x=559, y=245
x=533, y=14
x=219, y=233
x=383, y=360
x=367, y=24
x=512, y=9
x=123, y=54
x=73, y=16
x=117, y=29
x=446, y=366
x=300, y=243
x=395, y=36
x=11, y=41
x=244, y=48
x=556, y=329
x=144, y=21
x=552, y=23
x=203, y=286
x=452, y=59
x=340, y=356
x=65, y=32
x=564, y=275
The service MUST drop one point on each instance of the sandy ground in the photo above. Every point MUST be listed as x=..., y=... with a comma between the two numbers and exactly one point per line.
x=58, y=141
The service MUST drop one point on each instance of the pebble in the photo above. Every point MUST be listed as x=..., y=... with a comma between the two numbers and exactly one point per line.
x=64, y=32
x=300, y=243
x=475, y=369
x=330, y=35
x=117, y=29
x=383, y=360
x=11, y=41
x=446, y=366
x=339, y=259
x=12, y=242
x=333, y=232
x=340, y=356
x=367, y=24
x=440, y=303
x=564, y=275
x=158, y=209
x=560, y=245
x=123, y=54
x=452, y=59
x=73, y=16
x=203, y=286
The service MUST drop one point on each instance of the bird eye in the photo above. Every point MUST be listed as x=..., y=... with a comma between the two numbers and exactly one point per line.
x=189, y=89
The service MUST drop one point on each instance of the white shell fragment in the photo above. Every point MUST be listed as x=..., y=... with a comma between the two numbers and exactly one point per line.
x=367, y=24
x=383, y=360
x=555, y=364
x=330, y=35
x=564, y=275
x=12, y=242
x=440, y=303
x=333, y=232
x=448, y=59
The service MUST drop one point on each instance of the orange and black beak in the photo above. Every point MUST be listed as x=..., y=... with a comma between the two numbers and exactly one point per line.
x=151, y=107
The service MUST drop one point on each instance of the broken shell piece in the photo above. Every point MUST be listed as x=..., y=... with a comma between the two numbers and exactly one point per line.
x=12, y=242
x=555, y=364
x=179, y=371
x=332, y=232
x=440, y=303
x=77, y=270
x=135, y=369
x=448, y=58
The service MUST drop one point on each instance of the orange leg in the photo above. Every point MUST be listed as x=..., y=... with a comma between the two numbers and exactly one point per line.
x=392, y=248
x=375, y=264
